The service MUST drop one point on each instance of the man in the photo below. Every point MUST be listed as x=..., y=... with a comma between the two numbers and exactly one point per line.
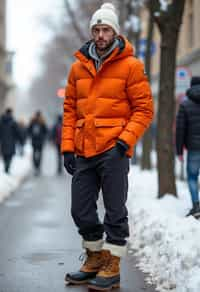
x=9, y=135
x=107, y=108
x=188, y=136
x=37, y=131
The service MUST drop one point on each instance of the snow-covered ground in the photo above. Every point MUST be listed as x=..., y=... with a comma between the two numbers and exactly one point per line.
x=20, y=169
x=166, y=243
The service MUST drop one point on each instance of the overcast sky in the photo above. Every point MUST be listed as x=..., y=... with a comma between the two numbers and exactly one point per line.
x=26, y=34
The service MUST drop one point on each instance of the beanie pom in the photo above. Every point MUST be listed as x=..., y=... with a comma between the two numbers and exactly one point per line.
x=108, y=6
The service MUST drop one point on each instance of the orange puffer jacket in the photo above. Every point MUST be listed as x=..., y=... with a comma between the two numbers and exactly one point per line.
x=102, y=107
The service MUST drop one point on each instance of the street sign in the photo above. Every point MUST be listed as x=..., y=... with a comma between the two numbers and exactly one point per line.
x=183, y=77
x=142, y=48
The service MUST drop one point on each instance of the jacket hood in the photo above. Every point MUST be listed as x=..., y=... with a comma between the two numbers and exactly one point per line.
x=124, y=48
x=193, y=93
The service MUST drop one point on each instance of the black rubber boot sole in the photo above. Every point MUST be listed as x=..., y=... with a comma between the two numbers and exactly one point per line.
x=96, y=288
x=71, y=279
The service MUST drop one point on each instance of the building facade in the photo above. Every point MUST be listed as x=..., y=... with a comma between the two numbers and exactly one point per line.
x=188, y=53
x=189, y=43
x=2, y=54
x=5, y=59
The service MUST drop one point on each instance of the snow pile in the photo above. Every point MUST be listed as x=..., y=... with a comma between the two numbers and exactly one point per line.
x=165, y=241
x=20, y=168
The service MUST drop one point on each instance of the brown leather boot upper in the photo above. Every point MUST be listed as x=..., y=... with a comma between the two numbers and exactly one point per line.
x=93, y=262
x=111, y=265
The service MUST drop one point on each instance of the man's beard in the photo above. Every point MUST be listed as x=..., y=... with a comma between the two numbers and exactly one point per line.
x=106, y=48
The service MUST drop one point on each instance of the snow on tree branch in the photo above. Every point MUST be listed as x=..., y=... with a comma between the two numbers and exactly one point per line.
x=164, y=4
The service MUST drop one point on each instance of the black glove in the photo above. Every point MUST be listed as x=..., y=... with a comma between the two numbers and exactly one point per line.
x=69, y=162
x=122, y=147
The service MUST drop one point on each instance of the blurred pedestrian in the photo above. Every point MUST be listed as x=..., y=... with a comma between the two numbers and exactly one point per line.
x=23, y=136
x=188, y=136
x=9, y=135
x=37, y=131
x=56, y=138
x=107, y=108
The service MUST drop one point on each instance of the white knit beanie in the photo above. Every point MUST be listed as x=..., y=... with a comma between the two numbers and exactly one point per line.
x=107, y=14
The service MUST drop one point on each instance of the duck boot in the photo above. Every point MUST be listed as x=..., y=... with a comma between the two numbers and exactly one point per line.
x=89, y=269
x=109, y=275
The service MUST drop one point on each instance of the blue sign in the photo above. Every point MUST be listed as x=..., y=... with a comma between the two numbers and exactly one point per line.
x=183, y=73
x=142, y=48
x=183, y=77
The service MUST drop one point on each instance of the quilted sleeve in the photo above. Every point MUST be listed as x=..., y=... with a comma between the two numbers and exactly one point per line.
x=141, y=102
x=69, y=114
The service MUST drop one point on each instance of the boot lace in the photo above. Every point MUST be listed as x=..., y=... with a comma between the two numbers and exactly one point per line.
x=110, y=264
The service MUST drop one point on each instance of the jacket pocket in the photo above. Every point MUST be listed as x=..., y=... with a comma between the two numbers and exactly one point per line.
x=107, y=132
x=78, y=138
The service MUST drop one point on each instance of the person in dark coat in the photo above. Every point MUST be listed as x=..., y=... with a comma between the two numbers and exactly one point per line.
x=37, y=131
x=56, y=138
x=23, y=136
x=9, y=135
x=188, y=136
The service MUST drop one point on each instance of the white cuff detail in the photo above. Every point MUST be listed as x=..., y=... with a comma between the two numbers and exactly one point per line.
x=116, y=250
x=93, y=245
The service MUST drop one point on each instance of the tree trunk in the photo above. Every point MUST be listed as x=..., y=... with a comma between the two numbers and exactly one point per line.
x=146, y=150
x=166, y=110
x=169, y=23
x=147, y=139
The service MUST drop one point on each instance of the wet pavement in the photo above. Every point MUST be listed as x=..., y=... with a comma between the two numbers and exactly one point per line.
x=39, y=242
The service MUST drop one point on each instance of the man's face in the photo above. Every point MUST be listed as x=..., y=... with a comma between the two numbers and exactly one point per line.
x=103, y=36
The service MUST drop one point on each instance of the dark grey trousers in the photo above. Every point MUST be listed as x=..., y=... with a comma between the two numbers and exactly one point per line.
x=109, y=172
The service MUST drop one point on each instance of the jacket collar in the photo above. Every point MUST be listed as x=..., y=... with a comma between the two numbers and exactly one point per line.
x=123, y=50
x=98, y=60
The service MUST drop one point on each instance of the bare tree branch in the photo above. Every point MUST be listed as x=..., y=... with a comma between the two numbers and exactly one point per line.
x=78, y=30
